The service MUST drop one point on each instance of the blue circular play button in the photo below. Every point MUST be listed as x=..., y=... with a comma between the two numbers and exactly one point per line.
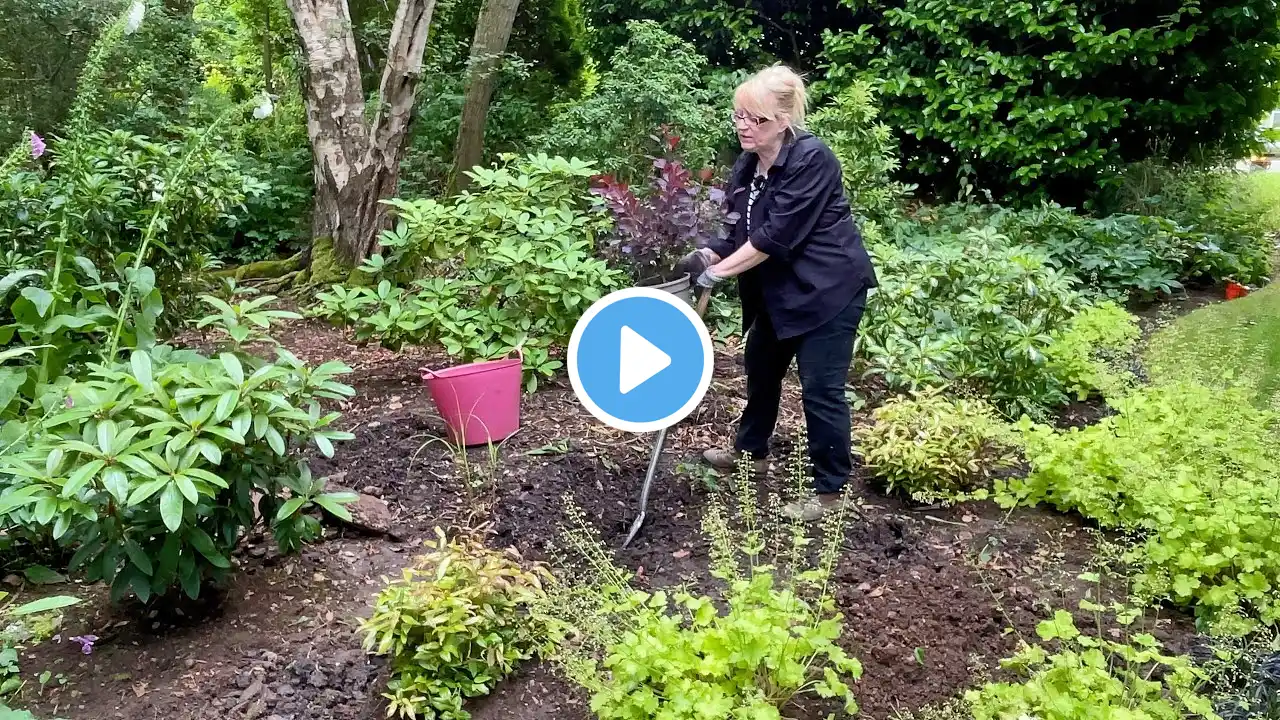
x=640, y=359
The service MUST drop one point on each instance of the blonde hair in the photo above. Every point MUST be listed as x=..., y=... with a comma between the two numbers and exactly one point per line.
x=780, y=83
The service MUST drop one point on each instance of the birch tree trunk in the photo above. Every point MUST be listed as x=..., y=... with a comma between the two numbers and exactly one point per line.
x=493, y=30
x=356, y=162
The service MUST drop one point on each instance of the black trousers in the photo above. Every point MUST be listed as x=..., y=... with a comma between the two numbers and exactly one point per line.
x=823, y=357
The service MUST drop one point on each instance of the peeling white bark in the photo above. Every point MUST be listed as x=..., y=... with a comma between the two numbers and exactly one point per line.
x=357, y=164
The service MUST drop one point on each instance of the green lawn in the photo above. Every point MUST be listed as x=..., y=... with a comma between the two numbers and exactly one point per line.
x=1235, y=341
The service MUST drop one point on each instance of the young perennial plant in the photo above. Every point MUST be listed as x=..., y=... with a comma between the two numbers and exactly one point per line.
x=454, y=625
x=509, y=264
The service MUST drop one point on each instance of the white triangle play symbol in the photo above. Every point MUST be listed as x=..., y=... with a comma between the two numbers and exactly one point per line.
x=640, y=361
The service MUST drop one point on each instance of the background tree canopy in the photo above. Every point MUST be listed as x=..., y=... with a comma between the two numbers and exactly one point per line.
x=1050, y=99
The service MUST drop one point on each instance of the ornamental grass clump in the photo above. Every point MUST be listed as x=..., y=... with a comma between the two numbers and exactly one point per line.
x=766, y=638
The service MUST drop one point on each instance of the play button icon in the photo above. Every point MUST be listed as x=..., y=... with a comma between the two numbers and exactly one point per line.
x=640, y=359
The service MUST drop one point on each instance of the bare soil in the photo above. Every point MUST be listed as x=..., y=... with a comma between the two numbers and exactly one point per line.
x=932, y=598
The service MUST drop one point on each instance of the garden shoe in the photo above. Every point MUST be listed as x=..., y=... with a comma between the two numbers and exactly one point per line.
x=722, y=459
x=812, y=508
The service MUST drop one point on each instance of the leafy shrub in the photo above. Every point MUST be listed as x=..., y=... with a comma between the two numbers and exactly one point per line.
x=106, y=191
x=678, y=213
x=1088, y=676
x=509, y=264
x=1087, y=355
x=654, y=79
x=867, y=149
x=932, y=447
x=149, y=468
x=770, y=638
x=1191, y=473
x=454, y=625
x=1120, y=256
x=1214, y=200
x=970, y=308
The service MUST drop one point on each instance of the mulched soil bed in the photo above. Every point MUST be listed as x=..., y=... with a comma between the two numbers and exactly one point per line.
x=283, y=644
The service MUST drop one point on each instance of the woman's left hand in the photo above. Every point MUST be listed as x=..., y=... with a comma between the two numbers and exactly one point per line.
x=708, y=279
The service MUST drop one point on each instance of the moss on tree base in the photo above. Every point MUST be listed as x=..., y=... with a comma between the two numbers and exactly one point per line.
x=264, y=269
x=326, y=268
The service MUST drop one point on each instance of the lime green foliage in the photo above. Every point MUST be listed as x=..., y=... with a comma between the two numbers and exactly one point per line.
x=149, y=467
x=686, y=659
x=970, y=308
x=7, y=713
x=867, y=149
x=454, y=625
x=932, y=447
x=1093, y=677
x=1242, y=335
x=1049, y=98
x=1088, y=355
x=509, y=264
x=767, y=640
x=1193, y=473
x=655, y=79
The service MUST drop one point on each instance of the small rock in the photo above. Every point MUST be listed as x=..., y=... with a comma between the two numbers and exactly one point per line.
x=254, y=689
x=191, y=662
x=257, y=551
x=285, y=691
x=371, y=490
x=317, y=679
x=370, y=514
x=330, y=698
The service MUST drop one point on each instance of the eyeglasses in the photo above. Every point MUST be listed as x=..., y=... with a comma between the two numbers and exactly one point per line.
x=740, y=117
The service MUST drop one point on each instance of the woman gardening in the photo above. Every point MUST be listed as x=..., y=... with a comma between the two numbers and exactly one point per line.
x=803, y=276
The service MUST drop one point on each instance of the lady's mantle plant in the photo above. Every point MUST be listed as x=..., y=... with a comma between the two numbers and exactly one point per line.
x=768, y=640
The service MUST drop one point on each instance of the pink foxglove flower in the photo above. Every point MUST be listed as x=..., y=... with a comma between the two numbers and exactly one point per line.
x=37, y=146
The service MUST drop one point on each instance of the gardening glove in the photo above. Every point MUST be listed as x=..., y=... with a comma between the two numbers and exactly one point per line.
x=708, y=279
x=694, y=263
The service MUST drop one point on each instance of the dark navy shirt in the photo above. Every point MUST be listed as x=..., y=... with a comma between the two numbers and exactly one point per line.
x=801, y=218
